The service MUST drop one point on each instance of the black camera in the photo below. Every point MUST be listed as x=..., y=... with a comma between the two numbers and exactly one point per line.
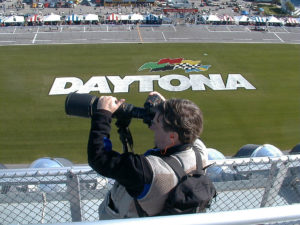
x=85, y=105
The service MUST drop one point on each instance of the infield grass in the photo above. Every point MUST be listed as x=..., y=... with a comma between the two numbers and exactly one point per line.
x=34, y=124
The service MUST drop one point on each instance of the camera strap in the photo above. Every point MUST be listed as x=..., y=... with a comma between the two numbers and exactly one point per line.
x=125, y=134
x=126, y=138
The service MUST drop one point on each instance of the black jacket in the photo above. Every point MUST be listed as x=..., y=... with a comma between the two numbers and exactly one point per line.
x=130, y=170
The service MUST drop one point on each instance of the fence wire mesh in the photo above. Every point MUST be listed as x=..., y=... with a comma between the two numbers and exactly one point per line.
x=57, y=195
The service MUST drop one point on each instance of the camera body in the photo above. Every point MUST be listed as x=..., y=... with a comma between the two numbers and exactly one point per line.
x=85, y=105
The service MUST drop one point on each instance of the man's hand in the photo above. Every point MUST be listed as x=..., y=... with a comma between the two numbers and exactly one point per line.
x=109, y=103
x=158, y=94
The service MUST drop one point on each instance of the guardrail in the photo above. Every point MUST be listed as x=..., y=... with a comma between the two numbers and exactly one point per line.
x=288, y=214
x=73, y=194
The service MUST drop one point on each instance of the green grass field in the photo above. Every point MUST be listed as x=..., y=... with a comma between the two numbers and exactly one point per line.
x=34, y=124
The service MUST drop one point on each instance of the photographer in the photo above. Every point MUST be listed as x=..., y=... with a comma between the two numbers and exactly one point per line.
x=176, y=125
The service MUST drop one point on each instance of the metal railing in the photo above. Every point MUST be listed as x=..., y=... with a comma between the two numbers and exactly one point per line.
x=287, y=215
x=73, y=194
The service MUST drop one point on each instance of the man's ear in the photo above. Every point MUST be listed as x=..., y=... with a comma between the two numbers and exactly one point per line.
x=174, y=137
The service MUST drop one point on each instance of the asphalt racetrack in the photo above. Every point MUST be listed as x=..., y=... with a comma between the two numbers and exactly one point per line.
x=96, y=34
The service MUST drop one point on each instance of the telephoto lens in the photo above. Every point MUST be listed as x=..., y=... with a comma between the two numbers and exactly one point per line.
x=85, y=105
x=82, y=105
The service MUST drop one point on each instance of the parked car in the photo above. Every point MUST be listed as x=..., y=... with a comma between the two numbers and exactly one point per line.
x=257, y=28
x=52, y=5
x=40, y=5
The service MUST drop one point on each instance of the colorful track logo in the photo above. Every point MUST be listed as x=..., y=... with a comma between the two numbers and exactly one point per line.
x=173, y=64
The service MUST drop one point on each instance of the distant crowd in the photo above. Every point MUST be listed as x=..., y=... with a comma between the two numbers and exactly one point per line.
x=136, y=18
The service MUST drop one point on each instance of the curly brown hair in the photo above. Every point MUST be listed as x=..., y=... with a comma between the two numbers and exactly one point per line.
x=182, y=116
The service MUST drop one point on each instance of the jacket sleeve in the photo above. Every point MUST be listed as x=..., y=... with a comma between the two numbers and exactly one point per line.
x=130, y=170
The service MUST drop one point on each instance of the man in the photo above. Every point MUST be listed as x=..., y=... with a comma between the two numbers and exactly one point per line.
x=176, y=125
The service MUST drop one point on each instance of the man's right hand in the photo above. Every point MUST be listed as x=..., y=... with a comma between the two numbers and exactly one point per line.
x=109, y=103
x=158, y=94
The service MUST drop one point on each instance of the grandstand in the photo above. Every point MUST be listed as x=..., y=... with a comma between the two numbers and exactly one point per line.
x=53, y=190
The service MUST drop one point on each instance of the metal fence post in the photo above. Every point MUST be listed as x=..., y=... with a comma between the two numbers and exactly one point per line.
x=73, y=190
x=272, y=188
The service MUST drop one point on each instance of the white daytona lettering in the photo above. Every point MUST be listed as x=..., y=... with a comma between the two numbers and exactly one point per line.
x=197, y=82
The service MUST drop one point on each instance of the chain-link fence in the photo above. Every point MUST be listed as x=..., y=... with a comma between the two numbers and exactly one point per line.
x=56, y=195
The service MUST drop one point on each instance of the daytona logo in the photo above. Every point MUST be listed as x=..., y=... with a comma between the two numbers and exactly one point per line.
x=173, y=82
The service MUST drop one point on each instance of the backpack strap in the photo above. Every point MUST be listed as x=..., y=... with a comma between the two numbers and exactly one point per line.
x=199, y=164
x=175, y=165
x=141, y=212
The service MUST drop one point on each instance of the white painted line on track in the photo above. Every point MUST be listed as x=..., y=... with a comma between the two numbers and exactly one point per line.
x=226, y=31
x=179, y=38
x=109, y=39
x=34, y=38
x=163, y=36
x=150, y=38
x=101, y=31
x=15, y=30
x=43, y=40
x=278, y=32
x=8, y=33
x=286, y=30
x=278, y=37
x=242, y=39
x=7, y=41
x=174, y=28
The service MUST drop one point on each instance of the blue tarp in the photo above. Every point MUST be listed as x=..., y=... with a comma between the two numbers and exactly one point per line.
x=244, y=12
x=151, y=17
x=73, y=18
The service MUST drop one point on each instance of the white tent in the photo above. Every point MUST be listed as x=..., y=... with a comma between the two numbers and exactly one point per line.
x=213, y=18
x=273, y=20
x=52, y=18
x=14, y=19
x=124, y=17
x=136, y=17
x=243, y=19
x=91, y=18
